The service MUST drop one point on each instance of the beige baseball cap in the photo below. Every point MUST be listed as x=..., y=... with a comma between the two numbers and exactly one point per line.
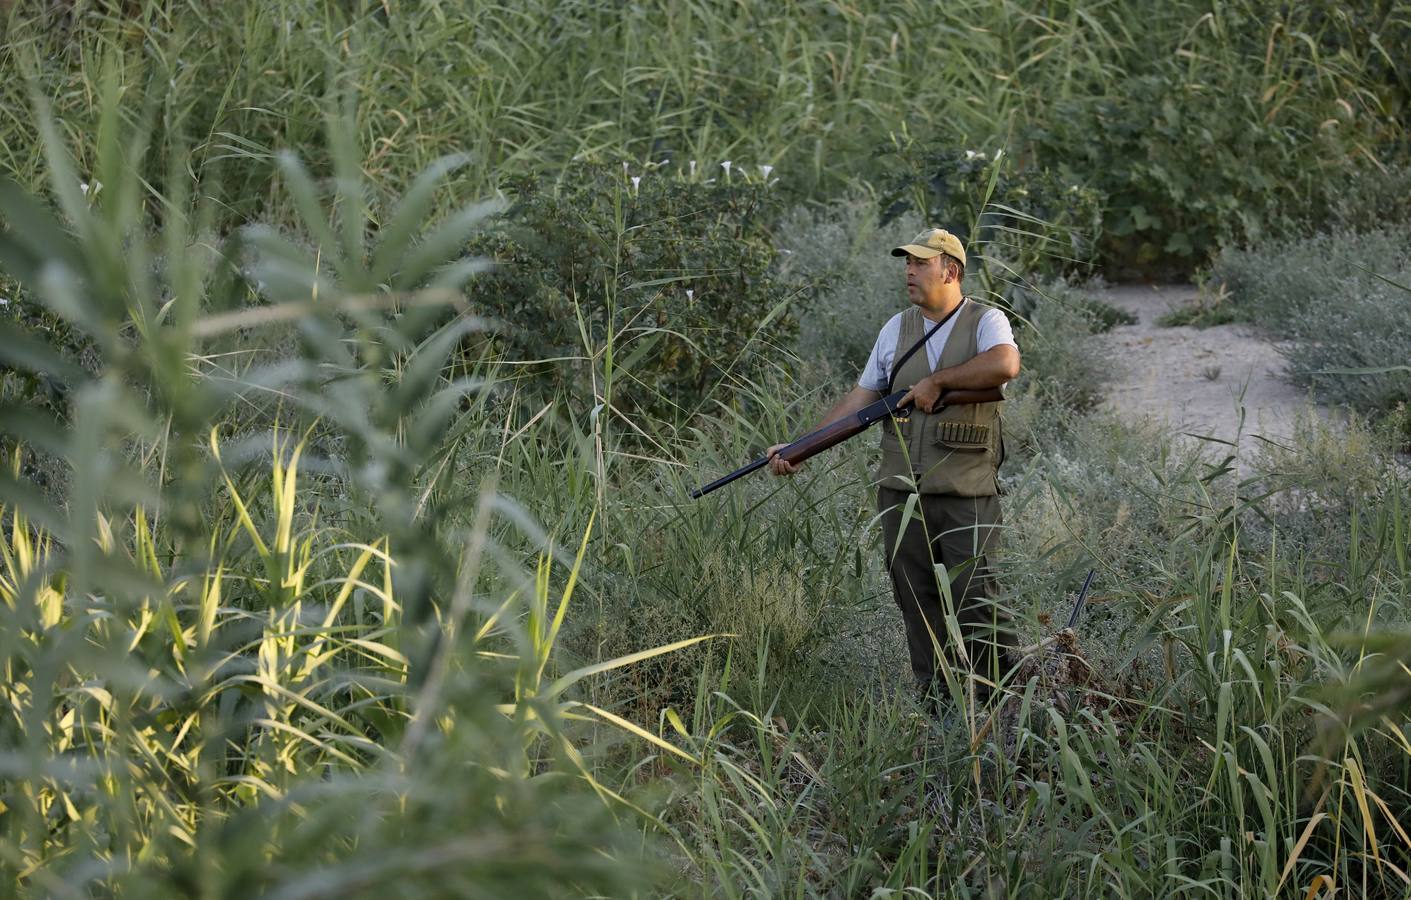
x=932, y=242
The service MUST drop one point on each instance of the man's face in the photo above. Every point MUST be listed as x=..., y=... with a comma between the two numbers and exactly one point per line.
x=925, y=278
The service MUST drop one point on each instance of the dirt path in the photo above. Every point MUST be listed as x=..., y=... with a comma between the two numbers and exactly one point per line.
x=1194, y=380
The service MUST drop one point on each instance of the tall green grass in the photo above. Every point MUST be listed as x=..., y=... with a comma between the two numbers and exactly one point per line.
x=814, y=89
x=294, y=626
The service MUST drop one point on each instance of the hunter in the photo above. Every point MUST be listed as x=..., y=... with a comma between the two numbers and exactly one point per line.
x=949, y=455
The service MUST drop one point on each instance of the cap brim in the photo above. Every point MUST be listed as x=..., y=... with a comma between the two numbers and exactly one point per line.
x=917, y=250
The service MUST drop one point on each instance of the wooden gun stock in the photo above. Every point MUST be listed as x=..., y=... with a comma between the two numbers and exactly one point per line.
x=835, y=433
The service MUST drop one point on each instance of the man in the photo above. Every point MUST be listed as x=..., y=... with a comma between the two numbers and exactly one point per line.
x=950, y=456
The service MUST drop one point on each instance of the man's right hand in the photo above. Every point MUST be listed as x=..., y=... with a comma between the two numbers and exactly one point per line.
x=780, y=466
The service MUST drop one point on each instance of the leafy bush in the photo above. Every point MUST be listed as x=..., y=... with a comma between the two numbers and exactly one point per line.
x=1279, y=282
x=1357, y=351
x=1185, y=175
x=843, y=249
x=1174, y=192
x=1131, y=100
x=1369, y=198
x=1321, y=475
x=1016, y=222
x=1341, y=301
x=645, y=291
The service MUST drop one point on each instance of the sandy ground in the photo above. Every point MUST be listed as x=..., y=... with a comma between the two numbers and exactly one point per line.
x=1195, y=380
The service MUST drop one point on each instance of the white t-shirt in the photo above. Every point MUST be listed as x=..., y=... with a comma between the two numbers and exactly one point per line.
x=994, y=330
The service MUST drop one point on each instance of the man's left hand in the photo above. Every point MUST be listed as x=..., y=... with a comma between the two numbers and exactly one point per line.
x=924, y=394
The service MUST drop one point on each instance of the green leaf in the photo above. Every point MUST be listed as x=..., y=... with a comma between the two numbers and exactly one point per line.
x=395, y=239
x=32, y=235
x=429, y=423
x=22, y=350
x=640, y=348
x=424, y=366
x=568, y=680
x=444, y=244
x=311, y=211
x=34, y=427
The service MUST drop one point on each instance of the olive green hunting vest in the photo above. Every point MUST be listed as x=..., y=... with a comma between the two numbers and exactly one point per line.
x=956, y=451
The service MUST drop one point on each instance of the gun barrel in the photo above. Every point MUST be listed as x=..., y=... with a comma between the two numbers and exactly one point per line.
x=1082, y=597
x=723, y=480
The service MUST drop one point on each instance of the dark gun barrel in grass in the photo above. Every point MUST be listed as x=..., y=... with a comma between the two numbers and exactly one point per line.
x=1082, y=596
x=834, y=433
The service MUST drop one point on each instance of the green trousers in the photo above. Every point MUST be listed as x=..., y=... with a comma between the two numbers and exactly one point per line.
x=959, y=532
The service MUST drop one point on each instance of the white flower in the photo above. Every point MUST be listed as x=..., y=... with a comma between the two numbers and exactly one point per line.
x=624, y=168
x=726, y=166
x=690, y=296
x=766, y=170
x=4, y=301
x=693, y=168
x=636, y=183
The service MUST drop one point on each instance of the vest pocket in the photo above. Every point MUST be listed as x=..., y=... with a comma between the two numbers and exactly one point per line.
x=891, y=441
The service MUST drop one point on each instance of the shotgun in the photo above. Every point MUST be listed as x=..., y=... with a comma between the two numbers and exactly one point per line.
x=834, y=433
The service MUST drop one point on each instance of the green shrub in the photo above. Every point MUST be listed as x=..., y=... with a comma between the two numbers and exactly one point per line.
x=1279, y=282
x=1368, y=332
x=1175, y=193
x=1061, y=360
x=844, y=251
x=1235, y=125
x=1370, y=198
x=642, y=288
x=292, y=725
x=1320, y=476
x=1165, y=108
x=1093, y=487
x=1016, y=222
x=1341, y=301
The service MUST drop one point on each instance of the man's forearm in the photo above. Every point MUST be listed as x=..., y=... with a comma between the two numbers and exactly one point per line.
x=990, y=369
